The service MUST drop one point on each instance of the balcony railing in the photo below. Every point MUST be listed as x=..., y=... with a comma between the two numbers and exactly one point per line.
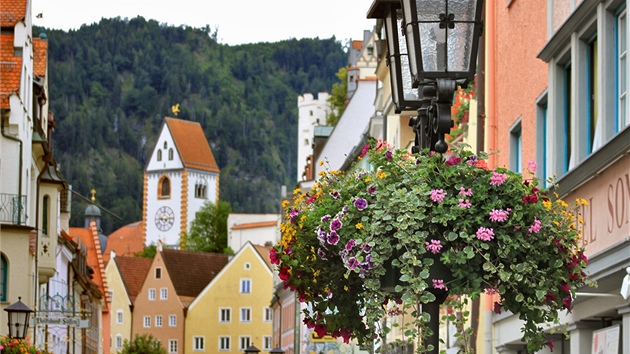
x=13, y=209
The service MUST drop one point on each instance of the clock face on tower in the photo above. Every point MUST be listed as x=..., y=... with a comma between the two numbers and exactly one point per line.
x=164, y=218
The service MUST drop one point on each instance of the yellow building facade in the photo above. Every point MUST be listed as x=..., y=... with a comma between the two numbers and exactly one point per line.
x=232, y=312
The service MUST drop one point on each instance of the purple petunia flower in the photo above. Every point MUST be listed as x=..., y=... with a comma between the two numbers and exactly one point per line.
x=367, y=248
x=352, y=263
x=335, y=225
x=325, y=218
x=350, y=245
x=322, y=254
x=388, y=155
x=333, y=238
x=360, y=203
x=371, y=189
x=334, y=194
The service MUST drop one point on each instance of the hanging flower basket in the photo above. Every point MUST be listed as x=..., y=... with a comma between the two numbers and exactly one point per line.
x=362, y=240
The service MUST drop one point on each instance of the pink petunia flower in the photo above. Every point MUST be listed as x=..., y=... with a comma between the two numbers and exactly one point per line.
x=439, y=284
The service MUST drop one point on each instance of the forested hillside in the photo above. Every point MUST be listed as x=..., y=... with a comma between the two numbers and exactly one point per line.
x=112, y=83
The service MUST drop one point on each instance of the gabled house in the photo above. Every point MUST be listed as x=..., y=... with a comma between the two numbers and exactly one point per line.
x=173, y=281
x=125, y=277
x=179, y=178
x=96, y=336
x=232, y=312
x=34, y=206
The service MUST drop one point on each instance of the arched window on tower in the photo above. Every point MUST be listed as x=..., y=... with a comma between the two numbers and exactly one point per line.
x=164, y=187
x=165, y=145
x=170, y=154
x=201, y=188
x=159, y=155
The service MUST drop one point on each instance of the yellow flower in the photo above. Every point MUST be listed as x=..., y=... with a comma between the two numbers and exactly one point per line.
x=582, y=201
x=285, y=203
x=345, y=287
x=367, y=179
x=547, y=204
x=380, y=174
x=296, y=191
x=321, y=163
x=359, y=226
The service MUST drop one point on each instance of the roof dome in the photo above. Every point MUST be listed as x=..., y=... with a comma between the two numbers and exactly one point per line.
x=92, y=210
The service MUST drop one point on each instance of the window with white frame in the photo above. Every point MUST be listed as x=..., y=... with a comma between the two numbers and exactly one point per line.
x=111, y=296
x=172, y=345
x=119, y=341
x=588, y=83
x=516, y=147
x=244, y=342
x=267, y=343
x=158, y=321
x=151, y=294
x=224, y=343
x=225, y=314
x=119, y=317
x=246, y=314
x=147, y=321
x=199, y=343
x=201, y=188
x=172, y=320
x=246, y=286
x=622, y=68
x=542, y=138
x=267, y=314
x=163, y=293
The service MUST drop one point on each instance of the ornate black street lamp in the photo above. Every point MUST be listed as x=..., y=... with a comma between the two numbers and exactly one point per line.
x=432, y=49
x=252, y=350
x=18, y=319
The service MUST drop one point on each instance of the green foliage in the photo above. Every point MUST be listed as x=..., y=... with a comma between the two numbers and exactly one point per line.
x=208, y=232
x=416, y=228
x=337, y=98
x=148, y=251
x=112, y=83
x=143, y=344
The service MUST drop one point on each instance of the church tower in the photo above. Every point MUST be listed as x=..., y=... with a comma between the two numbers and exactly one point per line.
x=179, y=178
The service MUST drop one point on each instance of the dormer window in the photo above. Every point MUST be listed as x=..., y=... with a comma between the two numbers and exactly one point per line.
x=370, y=50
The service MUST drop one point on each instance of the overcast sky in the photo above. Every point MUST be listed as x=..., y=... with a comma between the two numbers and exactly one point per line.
x=238, y=21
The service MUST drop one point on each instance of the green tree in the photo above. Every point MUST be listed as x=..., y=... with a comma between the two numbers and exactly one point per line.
x=337, y=98
x=208, y=232
x=143, y=344
x=148, y=252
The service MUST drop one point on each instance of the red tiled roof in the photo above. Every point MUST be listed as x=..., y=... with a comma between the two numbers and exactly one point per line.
x=133, y=271
x=192, y=145
x=125, y=241
x=94, y=257
x=10, y=67
x=192, y=271
x=11, y=12
x=253, y=225
x=40, y=50
x=264, y=253
x=356, y=44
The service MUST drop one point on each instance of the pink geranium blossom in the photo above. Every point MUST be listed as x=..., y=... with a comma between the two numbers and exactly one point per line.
x=485, y=234
x=437, y=195
x=497, y=178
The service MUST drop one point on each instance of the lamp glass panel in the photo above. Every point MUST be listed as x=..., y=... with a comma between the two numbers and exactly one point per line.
x=460, y=41
x=464, y=10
